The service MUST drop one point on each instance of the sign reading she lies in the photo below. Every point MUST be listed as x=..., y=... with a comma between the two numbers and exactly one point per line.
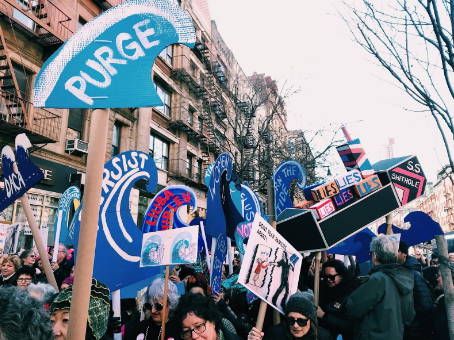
x=107, y=62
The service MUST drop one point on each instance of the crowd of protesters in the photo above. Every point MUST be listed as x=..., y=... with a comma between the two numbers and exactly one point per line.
x=401, y=298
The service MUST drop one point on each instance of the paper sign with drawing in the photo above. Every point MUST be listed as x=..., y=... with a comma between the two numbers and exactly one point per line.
x=175, y=246
x=9, y=235
x=271, y=266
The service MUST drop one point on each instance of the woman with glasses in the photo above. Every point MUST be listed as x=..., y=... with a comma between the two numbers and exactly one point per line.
x=197, y=317
x=25, y=275
x=299, y=322
x=151, y=328
x=336, y=286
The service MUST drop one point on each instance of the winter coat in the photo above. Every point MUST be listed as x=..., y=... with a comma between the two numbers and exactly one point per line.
x=153, y=330
x=12, y=281
x=279, y=332
x=333, y=301
x=440, y=320
x=241, y=326
x=383, y=304
x=421, y=327
x=61, y=273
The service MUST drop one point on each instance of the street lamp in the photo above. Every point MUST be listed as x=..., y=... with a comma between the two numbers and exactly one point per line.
x=329, y=170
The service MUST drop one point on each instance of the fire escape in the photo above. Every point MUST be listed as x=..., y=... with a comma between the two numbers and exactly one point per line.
x=41, y=22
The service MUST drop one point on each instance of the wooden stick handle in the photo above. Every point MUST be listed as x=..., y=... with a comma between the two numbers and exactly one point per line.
x=317, y=278
x=88, y=225
x=261, y=316
x=38, y=241
x=166, y=284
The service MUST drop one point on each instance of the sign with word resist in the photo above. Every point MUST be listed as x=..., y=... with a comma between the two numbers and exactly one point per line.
x=271, y=266
x=107, y=62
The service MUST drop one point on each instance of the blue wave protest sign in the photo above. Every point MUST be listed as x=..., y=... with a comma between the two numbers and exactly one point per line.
x=119, y=241
x=61, y=225
x=216, y=222
x=219, y=257
x=157, y=215
x=284, y=174
x=17, y=184
x=107, y=62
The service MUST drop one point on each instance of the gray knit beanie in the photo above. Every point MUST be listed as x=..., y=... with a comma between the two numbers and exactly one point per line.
x=303, y=303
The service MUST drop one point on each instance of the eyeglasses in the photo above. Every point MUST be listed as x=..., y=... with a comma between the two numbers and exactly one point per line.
x=199, y=329
x=330, y=277
x=418, y=254
x=301, y=322
x=24, y=279
x=148, y=306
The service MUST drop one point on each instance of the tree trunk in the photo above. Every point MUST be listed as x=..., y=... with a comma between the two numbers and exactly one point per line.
x=448, y=288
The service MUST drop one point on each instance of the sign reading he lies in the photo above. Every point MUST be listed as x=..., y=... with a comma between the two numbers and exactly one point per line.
x=107, y=62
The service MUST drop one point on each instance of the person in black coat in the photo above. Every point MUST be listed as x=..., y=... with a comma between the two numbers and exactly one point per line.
x=421, y=327
x=336, y=285
x=440, y=318
x=300, y=322
x=335, y=288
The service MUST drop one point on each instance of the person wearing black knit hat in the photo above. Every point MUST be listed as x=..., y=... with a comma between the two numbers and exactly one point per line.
x=300, y=322
x=25, y=275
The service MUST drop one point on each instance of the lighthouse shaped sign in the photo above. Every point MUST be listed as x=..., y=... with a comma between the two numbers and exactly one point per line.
x=107, y=62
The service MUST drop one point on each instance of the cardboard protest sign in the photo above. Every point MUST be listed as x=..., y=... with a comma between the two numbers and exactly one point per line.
x=338, y=225
x=345, y=196
x=325, y=191
x=271, y=266
x=9, y=236
x=17, y=184
x=348, y=179
x=241, y=234
x=219, y=257
x=250, y=203
x=231, y=214
x=420, y=228
x=216, y=223
x=284, y=174
x=107, y=62
x=304, y=205
x=323, y=208
x=61, y=225
x=308, y=191
x=157, y=215
x=354, y=157
x=44, y=234
x=357, y=245
x=69, y=241
x=119, y=241
x=168, y=247
x=367, y=185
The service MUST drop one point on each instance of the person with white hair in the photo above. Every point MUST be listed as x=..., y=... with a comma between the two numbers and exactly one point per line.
x=384, y=303
x=43, y=292
x=154, y=298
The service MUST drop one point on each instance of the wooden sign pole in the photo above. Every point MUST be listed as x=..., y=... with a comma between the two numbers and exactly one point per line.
x=318, y=256
x=37, y=237
x=166, y=283
x=89, y=225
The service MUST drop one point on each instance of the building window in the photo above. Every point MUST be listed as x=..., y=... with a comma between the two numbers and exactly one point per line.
x=166, y=99
x=189, y=165
x=190, y=117
x=199, y=124
x=116, y=137
x=199, y=171
x=22, y=81
x=159, y=150
x=18, y=15
x=75, y=124
x=167, y=54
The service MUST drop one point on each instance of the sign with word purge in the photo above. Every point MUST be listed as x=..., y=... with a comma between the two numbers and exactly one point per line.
x=271, y=266
x=168, y=247
x=107, y=62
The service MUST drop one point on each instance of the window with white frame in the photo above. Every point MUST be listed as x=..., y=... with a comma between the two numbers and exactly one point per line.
x=167, y=54
x=159, y=150
x=116, y=136
x=166, y=98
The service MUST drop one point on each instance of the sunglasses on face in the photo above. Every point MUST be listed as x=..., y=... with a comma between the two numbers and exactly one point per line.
x=148, y=306
x=330, y=277
x=301, y=322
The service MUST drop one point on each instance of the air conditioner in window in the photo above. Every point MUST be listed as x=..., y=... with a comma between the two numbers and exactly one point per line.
x=76, y=147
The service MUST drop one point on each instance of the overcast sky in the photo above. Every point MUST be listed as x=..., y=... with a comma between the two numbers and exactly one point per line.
x=304, y=44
